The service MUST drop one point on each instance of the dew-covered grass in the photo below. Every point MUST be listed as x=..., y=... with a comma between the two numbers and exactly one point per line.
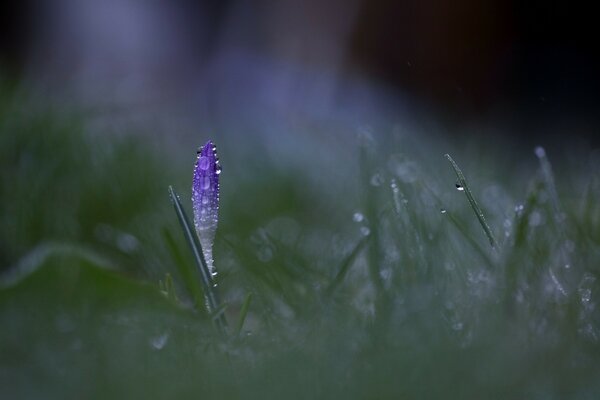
x=375, y=278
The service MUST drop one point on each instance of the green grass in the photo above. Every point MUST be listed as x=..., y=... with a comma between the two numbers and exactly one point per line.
x=389, y=288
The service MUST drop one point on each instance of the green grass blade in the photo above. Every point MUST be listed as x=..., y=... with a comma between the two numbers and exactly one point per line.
x=548, y=176
x=346, y=263
x=474, y=244
x=243, y=314
x=184, y=269
x=210, y=288
x=478, y=212
x=371, y=211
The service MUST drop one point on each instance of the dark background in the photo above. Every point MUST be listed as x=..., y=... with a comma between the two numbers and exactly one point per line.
x=530, y=65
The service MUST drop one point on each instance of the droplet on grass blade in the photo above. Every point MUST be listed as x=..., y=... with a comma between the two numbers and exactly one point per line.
x=376, y=179
x=159, y=342
x=205, y=199
x=357, y=217
x=540, y=152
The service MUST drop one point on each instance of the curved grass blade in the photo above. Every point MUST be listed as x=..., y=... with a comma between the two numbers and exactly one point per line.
x=210, y=289
x=478, y=212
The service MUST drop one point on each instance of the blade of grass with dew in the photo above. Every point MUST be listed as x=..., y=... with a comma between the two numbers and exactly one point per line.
x=478, y=212
x=210, y=290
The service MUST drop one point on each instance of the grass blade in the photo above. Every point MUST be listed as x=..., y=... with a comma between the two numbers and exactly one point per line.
x=184, y=269
x=478, y=212
x=210, y=288
x=243, y=314
x=346, y=263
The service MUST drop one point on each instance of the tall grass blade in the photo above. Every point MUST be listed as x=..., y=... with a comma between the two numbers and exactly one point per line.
x=184, y=269
x=478, y=212
x=345, y=265
x=243, y=314
x=210, y=289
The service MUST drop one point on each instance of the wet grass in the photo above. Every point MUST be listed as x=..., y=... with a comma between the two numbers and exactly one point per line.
x=387, y=289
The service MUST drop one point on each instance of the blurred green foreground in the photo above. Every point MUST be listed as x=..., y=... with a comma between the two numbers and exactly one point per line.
x=389, y=289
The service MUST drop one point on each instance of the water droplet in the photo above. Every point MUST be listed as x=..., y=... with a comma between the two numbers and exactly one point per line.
x=557, y=285
x=160, y=341
x=443, y=211
x=127, y=243
x=264, y=253
x=386, y=274
x=205, y=182
x=203, y=163
x=586, y=295
x=585, y=288
x=365, y=231
x=540, y=152
x=459, y=187
x=204, y=200
x=376, y=179
x=358, y=217
x=406, y=170
x=394, y=186
x=218, y=169
x=457, y=326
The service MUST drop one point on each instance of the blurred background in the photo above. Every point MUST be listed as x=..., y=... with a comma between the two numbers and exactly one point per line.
x=528, y=71
x=370, y=274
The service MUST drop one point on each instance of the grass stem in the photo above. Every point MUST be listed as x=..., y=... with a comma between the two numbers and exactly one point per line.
x=462, y=182
x=210, y=288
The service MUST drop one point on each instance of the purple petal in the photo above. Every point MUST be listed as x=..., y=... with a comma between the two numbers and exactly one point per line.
x=205, y=198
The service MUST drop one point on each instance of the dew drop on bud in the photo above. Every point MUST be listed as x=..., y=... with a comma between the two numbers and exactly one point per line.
x=203, y=163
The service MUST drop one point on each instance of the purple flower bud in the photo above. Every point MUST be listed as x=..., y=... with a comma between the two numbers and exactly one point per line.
x=205, y=199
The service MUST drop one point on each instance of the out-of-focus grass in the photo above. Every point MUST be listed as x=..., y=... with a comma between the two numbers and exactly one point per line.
x=395, y=294
x=60, y=185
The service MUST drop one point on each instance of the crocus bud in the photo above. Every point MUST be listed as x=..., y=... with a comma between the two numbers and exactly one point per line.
x=205, y=199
